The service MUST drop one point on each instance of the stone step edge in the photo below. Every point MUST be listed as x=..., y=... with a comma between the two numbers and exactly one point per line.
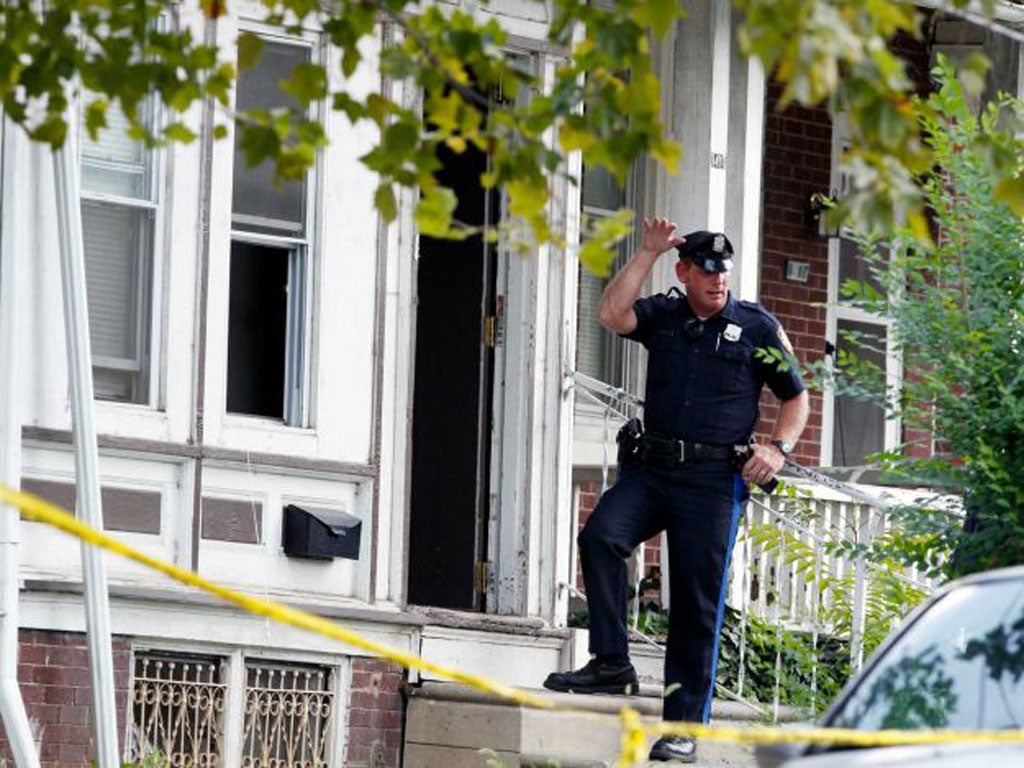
x=648, y=702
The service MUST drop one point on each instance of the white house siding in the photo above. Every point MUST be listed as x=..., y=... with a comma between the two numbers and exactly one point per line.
x=351, y=452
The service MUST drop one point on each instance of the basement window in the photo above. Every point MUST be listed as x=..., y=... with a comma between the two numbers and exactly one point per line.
x=177, y=708
x=268, y=314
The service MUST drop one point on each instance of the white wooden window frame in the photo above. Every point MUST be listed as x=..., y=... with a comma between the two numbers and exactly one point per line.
x=838, y=312
x=302, y=257
x=344, y=232
x=148, y=319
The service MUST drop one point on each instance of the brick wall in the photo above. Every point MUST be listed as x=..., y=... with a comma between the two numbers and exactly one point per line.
x=375, y=714
x=797, y=164
x=53, y=672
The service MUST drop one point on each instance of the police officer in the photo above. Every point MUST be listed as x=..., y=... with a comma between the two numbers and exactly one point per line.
x=704, y=381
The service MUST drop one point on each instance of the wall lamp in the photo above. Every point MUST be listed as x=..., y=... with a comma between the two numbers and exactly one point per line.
x=816, y=215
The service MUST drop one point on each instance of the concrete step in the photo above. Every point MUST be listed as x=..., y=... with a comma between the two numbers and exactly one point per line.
x=456, y=727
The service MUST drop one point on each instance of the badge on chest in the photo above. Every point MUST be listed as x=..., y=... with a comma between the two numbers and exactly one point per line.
x=732, y=332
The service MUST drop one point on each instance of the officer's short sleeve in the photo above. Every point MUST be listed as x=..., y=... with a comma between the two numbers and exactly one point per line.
x=779, y=370
x=645, y=310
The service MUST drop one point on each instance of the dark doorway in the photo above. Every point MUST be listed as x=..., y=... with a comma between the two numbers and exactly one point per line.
x=452, y=401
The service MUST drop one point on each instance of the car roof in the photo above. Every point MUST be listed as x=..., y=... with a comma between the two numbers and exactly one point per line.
x=1013, y=572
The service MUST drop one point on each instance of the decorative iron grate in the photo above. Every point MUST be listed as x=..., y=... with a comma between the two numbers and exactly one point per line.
x=177, y=710
x=288, y=711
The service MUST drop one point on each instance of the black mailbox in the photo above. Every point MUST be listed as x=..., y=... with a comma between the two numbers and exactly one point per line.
x=321, y=534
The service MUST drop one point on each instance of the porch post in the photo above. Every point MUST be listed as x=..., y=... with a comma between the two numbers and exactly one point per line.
x=16, y=219
x=714, y=106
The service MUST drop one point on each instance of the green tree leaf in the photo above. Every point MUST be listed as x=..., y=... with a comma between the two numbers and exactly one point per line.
x=250, y=46
x=308, y=83
x=384, y=199
x=434, y=212
x=179, y=132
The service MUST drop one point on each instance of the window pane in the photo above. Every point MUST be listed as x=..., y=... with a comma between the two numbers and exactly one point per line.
x=600, y=190
x=115, y=164
x=594, y=343
x=258, y=204
x=118, y=252
x=853, y=266
x=257, y=329
x=858, y=424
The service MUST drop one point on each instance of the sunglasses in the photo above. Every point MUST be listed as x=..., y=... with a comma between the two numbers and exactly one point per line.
x=712, y=266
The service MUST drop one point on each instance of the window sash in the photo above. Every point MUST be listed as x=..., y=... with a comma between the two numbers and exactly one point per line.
x=258, y=227
x=119, y=244
x=258, y=204
x=841, y=313
x=120, y=205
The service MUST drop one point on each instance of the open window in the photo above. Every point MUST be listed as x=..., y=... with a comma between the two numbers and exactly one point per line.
x=268, y=315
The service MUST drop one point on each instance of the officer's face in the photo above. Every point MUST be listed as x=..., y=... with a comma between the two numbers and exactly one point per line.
x=707, y=292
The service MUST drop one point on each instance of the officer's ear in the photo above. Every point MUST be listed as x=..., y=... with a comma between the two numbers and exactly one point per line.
x=683, y=270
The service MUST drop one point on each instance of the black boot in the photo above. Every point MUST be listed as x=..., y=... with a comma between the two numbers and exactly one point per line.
x=596, y=677
x=681, y=749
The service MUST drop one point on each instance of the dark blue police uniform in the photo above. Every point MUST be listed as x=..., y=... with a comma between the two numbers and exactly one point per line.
x=703, y=386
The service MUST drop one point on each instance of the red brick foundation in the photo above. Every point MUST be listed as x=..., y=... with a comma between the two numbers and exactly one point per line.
x=53, y=672
x=375, y=714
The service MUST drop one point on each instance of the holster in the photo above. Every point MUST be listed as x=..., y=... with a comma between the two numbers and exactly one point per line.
x=629, y=439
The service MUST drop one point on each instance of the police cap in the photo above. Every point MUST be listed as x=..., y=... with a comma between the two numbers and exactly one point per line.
x=711, y=251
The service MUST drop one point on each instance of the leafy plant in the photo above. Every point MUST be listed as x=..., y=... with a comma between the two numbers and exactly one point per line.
x=810, y=673
x=956, y=312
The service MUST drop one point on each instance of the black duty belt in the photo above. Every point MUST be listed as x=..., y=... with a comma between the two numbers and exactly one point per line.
x=667, y=450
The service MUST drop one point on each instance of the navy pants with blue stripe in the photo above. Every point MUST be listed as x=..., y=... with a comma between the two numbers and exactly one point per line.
x=698, y=505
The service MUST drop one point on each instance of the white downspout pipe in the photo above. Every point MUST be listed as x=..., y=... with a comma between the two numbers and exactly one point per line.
x=12, y=707
x=76, y=333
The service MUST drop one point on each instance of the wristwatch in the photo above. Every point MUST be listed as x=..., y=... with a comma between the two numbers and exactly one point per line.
x=785, y=447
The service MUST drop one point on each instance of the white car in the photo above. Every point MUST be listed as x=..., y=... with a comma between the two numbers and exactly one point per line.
x=956, y=663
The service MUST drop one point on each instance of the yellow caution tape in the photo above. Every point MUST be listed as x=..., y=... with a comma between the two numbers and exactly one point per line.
x=845, y=736
x=42, y=511
x=634, y=730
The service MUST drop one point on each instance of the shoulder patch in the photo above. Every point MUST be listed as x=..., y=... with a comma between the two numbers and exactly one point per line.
x=784, y=340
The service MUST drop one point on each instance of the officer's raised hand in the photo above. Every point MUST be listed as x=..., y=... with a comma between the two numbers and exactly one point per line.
x=616, y=310
x=658, y=236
